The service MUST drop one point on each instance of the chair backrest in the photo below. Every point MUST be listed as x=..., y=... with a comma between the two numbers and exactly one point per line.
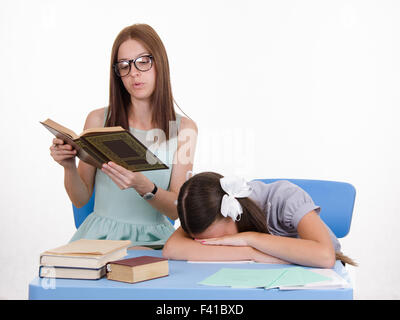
x=80, y=214
x=336, y=200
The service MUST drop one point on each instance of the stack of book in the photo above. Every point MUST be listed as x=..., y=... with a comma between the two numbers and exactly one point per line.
x=81, y=259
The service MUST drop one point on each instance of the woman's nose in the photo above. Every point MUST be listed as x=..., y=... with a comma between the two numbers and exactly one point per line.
x=134, y=72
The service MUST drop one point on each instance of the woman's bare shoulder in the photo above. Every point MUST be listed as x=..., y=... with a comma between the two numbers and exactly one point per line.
x=187, y=123
x=95, y=118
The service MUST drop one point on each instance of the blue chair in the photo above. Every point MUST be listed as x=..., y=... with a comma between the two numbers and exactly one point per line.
x=336, y=200
x=80, y=214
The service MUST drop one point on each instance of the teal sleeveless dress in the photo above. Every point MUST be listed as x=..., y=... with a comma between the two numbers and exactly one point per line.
x=124, y=214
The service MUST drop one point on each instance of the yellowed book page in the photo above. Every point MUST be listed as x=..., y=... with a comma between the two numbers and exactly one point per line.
x=74, y=136
x=92, y=247
x=101, y=130
x=60, y=128
x=150, y=271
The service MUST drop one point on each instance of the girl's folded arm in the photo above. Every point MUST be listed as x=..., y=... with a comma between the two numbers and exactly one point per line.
x=314, y=248
x=182, y=247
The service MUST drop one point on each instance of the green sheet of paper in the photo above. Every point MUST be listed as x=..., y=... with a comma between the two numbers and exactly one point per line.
x=266, y=278
x=242, y=278
x=296, y=276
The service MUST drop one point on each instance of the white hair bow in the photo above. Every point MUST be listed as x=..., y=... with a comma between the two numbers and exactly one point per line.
x=235, y=187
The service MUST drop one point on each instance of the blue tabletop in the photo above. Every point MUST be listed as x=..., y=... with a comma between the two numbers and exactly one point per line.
x=181, y=284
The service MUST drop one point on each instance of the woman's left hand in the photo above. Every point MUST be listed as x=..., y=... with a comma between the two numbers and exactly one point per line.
x=125, y=179
x=238, y=239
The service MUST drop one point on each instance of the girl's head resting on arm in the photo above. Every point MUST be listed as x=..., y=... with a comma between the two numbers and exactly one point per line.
x=199, y=209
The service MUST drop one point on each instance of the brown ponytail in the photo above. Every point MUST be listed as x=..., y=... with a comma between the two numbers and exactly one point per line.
x=345, y=259
x=253, y=218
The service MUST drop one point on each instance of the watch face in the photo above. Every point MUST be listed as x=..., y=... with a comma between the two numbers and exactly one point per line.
x=148, y=196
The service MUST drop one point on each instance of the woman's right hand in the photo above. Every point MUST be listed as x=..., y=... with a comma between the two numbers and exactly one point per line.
x=63, y=153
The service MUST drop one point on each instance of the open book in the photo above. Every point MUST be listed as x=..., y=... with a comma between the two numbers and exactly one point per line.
x=96, y=146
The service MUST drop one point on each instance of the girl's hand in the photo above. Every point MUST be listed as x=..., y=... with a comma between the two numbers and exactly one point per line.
x=63, y=153
x=125, y=179
x=260, y=257
x=239, y=239
x=243, y=239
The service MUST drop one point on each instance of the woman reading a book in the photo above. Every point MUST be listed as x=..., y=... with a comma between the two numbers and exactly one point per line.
x=227, y=218
x=134, y=205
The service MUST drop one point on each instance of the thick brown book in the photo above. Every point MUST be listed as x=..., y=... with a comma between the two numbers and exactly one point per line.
x=137, y=269
x=96, y=146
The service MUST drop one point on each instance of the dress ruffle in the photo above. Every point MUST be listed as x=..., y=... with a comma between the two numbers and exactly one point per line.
x=104, y=228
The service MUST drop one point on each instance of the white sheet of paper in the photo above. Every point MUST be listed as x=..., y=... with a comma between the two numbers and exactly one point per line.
x=229, y=262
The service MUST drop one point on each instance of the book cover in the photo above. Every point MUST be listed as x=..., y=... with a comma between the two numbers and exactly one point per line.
x=72, y=273
x=85, y=253
x=96, y=146
x=137, y=269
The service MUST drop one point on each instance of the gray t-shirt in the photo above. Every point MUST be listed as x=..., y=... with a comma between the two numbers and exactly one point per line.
x=285, y=204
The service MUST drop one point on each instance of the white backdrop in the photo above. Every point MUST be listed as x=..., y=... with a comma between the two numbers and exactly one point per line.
x=278, y=89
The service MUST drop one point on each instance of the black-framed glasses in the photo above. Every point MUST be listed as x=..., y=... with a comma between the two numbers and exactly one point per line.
x=142, y=63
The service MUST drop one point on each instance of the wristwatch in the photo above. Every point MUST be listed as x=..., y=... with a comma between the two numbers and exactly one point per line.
x=150, y=195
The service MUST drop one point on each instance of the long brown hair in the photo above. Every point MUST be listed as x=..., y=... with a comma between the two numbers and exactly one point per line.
x=199, y=205
x=161, y=101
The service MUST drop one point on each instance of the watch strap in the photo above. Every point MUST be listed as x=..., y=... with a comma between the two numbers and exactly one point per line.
x=155, y=189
